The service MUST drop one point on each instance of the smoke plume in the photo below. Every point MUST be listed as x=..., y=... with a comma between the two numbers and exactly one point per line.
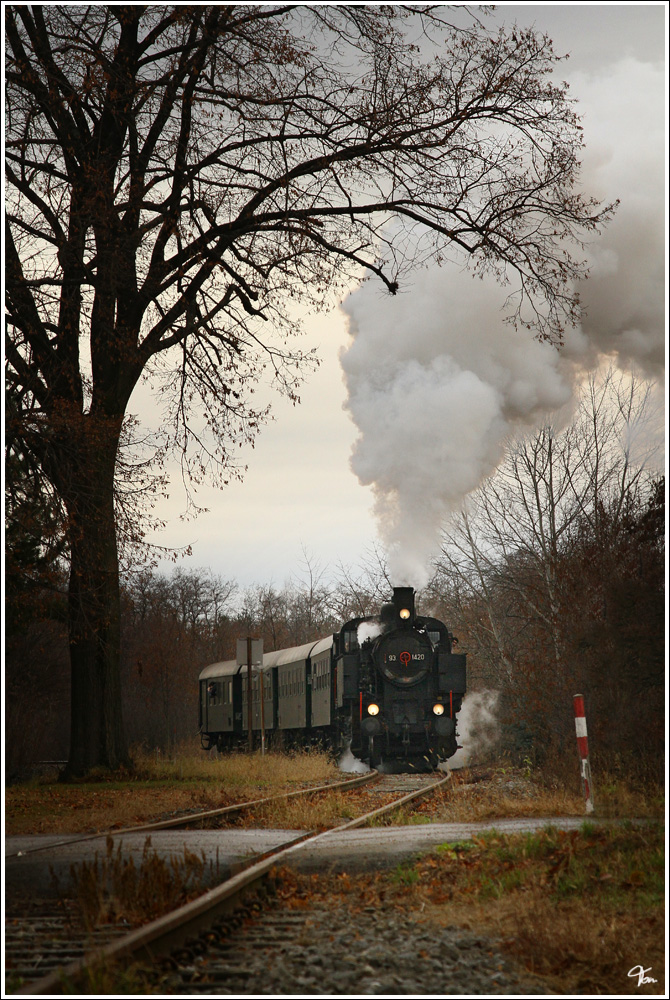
x=477, y=727
x=437, y=381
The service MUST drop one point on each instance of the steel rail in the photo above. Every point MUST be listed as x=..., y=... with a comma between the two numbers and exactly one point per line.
x=186, y=819
x=171, y=930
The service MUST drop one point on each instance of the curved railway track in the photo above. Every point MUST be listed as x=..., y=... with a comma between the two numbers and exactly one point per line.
x=189, y=922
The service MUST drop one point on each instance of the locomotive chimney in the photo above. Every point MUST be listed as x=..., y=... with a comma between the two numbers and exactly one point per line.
x=403, y=604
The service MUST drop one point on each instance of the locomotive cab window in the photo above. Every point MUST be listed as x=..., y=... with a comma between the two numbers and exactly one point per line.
x=350, y=642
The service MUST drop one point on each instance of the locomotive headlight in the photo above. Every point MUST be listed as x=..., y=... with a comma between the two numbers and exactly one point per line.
x=438, y=709
x=373, y=709
x=404, y=613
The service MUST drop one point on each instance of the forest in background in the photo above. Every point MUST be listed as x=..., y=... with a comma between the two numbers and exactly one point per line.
x=552, y=578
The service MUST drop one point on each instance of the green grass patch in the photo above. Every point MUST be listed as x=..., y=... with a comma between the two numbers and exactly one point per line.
x=405, y=875
x=624, y=865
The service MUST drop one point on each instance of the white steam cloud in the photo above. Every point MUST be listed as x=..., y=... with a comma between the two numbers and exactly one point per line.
x=368, y=630
x=625, y=135
x=477, y=727
x=433, y=399
x=437, y=381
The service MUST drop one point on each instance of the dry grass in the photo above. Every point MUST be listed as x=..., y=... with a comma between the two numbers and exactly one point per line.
x=50, y=808
x=618, y=797
x=158, y=789
x=113, y=888
x=197, y=781
x=507, y=795
x=582, y=949
x=311, y=812
x=523, y=791
x=236, y=770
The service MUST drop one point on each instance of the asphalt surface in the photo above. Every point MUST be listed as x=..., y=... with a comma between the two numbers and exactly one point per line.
x=31, y=862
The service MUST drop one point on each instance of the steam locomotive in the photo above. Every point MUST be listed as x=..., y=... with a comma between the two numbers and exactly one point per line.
x=388, y=687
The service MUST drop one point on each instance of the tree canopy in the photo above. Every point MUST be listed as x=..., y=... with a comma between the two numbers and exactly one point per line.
x=178, y=175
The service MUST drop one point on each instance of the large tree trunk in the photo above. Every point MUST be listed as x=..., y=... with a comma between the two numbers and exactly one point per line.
x=97, y=734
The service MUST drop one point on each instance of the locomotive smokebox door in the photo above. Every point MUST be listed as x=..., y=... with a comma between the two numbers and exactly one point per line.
x=403, y=606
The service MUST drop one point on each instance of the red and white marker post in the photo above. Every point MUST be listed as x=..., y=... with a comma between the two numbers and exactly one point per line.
x=583, y=746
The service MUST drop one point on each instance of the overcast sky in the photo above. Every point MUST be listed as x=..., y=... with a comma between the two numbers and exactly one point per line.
x=300, y=493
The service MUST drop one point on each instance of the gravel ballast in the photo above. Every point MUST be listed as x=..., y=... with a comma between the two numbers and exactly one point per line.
x=333, y=952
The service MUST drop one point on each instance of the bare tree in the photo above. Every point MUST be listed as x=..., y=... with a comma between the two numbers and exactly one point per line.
x=171, y=626
x=362, y=591
x=265, y=613
x=516, y=558
x=178, y=174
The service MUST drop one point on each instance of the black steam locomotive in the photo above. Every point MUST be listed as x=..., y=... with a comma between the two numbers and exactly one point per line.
x=387, y=686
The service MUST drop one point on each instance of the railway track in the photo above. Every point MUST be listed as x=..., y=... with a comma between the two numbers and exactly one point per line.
x=207, y=914
x=193, y=818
